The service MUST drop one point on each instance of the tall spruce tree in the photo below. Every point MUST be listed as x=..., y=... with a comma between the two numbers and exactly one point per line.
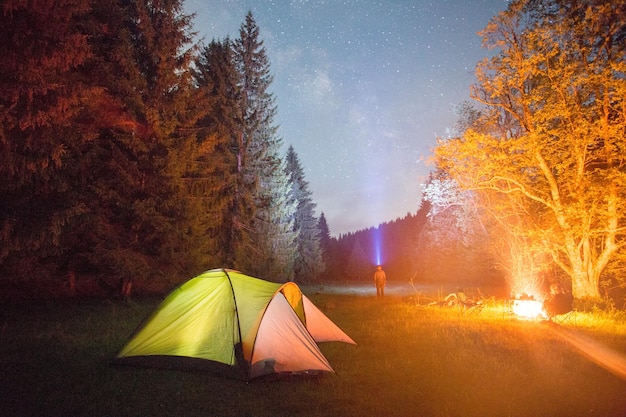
x=227, y=196
x=275, y=226
x=260, y=164
x=43, y=48
x=139, y=222
x=308, y=263
x=357, y=265
x=332, y=255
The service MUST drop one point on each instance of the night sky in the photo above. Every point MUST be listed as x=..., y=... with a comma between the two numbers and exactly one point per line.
x=362, y=88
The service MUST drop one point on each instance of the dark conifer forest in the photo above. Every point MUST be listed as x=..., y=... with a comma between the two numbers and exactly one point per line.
x=134, y=159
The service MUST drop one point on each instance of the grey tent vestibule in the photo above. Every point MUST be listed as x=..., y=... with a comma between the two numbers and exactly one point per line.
x=233, y=324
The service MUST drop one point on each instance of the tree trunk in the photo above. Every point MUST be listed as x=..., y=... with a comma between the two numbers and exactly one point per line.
x=71, y=282
x=126, y=288
x=584, y=285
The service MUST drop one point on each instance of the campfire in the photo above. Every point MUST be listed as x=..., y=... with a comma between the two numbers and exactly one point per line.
x=526, y=306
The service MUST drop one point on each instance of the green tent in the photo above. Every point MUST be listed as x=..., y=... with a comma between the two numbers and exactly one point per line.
x=237, y=325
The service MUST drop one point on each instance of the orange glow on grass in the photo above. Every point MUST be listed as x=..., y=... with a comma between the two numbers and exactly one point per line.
x=609, y=359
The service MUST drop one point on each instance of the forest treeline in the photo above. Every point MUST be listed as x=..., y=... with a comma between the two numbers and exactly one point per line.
x=131, y=154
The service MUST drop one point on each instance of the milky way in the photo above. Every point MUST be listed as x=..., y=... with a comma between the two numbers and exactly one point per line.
x=363, y=89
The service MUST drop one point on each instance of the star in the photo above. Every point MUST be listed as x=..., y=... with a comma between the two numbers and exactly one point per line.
x=362, y=89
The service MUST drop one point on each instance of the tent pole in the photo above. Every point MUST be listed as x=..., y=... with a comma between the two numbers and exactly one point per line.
x=238, y=346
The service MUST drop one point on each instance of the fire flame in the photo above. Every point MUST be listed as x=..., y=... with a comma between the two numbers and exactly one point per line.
x=528, y=308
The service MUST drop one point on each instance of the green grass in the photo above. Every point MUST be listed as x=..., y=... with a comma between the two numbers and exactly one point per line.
x=409, y=361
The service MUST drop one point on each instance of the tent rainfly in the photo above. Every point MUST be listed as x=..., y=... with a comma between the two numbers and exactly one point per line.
x=236, y=325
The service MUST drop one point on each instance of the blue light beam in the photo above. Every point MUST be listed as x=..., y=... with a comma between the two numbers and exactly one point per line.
x=377, y=246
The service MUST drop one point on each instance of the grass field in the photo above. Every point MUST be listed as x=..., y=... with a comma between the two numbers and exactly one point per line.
x=410, y=361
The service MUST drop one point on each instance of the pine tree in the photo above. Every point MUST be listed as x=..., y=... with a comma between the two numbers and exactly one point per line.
x=308, y=263
x=275, y=227
x=218, y=179
x=328, y=246
x=140, y=222
x=42, y=48
x=260, y=164
x=358, y=264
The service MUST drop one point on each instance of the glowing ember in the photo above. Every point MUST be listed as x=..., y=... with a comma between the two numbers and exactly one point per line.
x=528, y=308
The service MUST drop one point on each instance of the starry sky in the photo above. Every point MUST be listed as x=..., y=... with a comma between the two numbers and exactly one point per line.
x=363, y=88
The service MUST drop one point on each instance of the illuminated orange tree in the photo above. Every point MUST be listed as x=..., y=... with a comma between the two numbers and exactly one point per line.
x=547, y=151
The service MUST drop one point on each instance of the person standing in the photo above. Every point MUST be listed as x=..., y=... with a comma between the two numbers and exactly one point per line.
x=380, y=279
x=559, y=301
